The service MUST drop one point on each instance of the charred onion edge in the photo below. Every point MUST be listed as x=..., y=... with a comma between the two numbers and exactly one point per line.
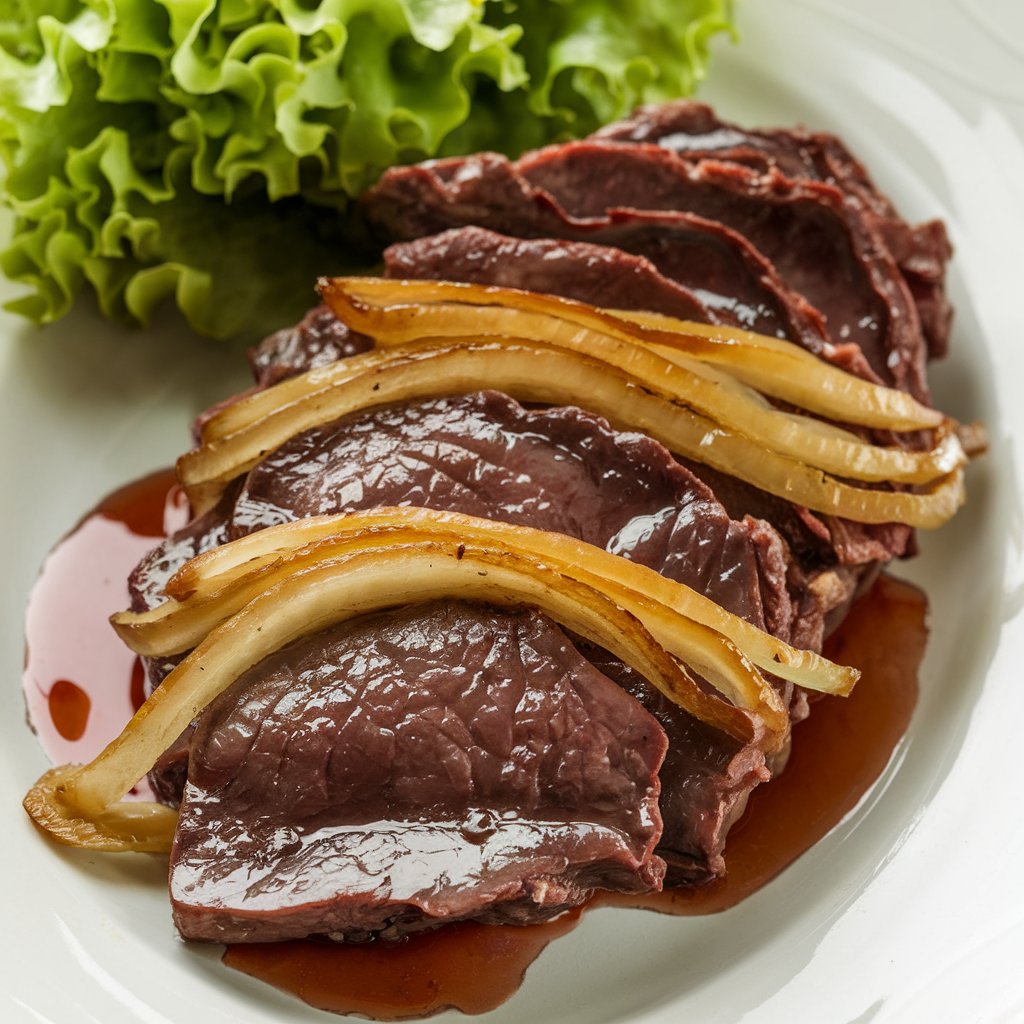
x=87, y=798
x=536, y=371
x=708, y=390
x=245, y=562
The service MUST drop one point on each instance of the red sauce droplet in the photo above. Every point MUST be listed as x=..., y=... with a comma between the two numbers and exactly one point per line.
x=467, y=966
x=137, y=685
x=81, y=683
x=69, y=709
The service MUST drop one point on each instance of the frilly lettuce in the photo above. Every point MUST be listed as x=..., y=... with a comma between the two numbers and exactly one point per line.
x=208, y=149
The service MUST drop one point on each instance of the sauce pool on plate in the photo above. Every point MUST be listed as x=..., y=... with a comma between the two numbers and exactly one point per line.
x=81, y=685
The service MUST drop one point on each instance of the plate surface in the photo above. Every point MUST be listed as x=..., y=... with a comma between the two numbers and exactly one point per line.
x=913, y=908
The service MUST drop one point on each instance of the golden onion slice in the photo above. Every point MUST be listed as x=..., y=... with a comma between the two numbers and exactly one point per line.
x=775, y=367
x=788, y=372
x=321, y=595
x=537, y=372
x=213, y=584
x=124, y=827
x=706, y=389
x=177, y=626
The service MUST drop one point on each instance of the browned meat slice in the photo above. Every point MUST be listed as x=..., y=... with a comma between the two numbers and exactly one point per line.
x=567, y=471
x=802, y=228
x=558, y=469
x=410, y=769
x=670, y=263
x=318, y=339
x=694, y=131
x=595, y=273
x=711, y=778
x=430, y=764
x=575, y=270
x=727, y=276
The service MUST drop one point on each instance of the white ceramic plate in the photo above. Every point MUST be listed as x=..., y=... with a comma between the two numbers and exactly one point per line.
x=911, y=910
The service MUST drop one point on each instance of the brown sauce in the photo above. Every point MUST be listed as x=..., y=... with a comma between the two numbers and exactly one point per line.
x=82, y=685
x=69, y=709
x=838, y=752
x=467, y=966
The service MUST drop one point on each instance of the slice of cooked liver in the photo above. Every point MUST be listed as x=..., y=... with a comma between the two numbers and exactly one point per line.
x=558, y=469
x=694, y=131
x=408, y=769
x=564, y=470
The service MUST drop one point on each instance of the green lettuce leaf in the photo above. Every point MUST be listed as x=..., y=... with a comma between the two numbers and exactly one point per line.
x=207, y=150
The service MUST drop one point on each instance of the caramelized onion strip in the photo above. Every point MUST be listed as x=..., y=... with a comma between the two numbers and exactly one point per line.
x=228, y=575
x=135, y=826
x=536, y=372
x=177, y=626
x=316, y=597
x=707, y=389
x=775, y=367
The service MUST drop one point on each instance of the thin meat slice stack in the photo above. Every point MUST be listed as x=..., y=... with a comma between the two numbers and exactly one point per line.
x=810, y=263
x=618, y=278
x=557, y=469
x=694, y=131
x=434, y=763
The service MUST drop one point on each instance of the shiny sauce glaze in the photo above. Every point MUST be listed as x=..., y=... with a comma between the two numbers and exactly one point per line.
x=466, y=966
x=838, y=752
x=81, y=685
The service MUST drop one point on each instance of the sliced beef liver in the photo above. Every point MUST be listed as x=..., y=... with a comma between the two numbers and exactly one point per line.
x=713, y=777
x=669, y=263
x=802, y=228
x=588, y=272
x=410, y=769
x=318, y=339
x=567, y=471
x=728, y=277
x=558, y=469
x=518, y=766
x=584, y=271
x=694, y=131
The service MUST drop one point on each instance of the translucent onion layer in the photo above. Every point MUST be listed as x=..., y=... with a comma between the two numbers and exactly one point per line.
x=537, y=371
x=82, y=805
x=214, y=584
x=775, y=367
x=708, y=390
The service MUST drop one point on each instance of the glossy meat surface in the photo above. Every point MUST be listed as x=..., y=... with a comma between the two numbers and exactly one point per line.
x=632, y=259
x=696, y=132
x=412, y=768
x=802, y=228
x=563, y=470
x=557, y=469
x=672, y=211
